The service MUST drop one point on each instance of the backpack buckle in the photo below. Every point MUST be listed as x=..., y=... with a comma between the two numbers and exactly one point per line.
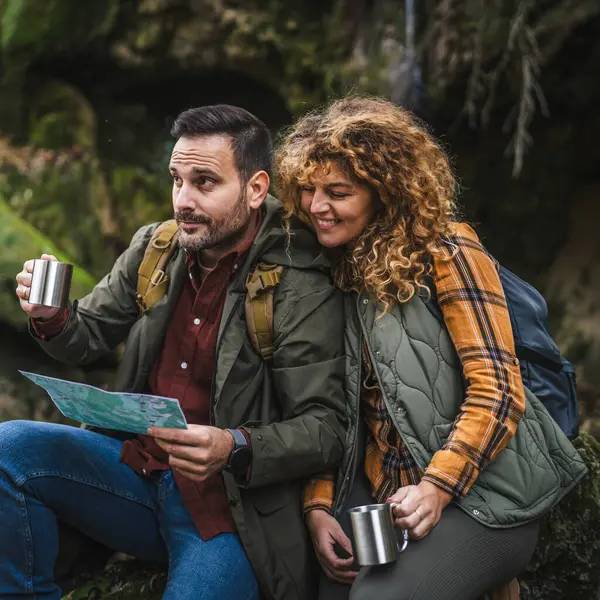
x=157, y=277
x=268, y=279
x=139, y=300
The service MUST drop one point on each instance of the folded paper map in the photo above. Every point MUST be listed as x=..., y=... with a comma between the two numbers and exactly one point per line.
x=112, y=410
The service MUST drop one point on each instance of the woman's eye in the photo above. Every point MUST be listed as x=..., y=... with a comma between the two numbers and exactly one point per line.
x=308, y=189
x=337, y=195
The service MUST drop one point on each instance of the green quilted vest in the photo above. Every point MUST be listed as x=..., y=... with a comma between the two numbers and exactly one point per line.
x=420, y=378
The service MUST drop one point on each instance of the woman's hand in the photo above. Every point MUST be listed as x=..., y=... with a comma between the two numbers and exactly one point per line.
x=325, y=531
x=419, y=507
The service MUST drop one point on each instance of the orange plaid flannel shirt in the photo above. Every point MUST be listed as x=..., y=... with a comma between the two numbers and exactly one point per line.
x=472, y=301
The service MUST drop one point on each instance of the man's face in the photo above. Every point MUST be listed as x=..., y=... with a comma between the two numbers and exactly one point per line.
x=209, y=200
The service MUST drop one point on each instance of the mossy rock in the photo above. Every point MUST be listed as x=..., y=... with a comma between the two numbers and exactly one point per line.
x=29, y=27
x=566, y=561
x=123, y=581
x=61, y=117
x=565, y=564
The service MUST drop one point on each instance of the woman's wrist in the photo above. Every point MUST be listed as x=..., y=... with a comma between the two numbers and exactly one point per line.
x=443, y=496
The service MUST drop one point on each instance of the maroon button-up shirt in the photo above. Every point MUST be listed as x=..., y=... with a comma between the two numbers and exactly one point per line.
x=184, y=370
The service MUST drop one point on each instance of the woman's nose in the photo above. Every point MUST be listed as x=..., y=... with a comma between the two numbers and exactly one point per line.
x=320, y=203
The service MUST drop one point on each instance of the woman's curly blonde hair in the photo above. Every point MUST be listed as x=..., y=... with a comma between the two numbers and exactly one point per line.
x=387, y=149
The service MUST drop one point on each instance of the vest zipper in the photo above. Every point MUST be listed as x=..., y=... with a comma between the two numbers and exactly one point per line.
x=384, y=395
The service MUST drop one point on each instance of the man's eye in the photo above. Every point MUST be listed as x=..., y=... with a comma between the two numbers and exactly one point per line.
x=204, y=182
x=177, y=180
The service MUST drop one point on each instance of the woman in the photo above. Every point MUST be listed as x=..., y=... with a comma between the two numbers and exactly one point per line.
x=432, y=377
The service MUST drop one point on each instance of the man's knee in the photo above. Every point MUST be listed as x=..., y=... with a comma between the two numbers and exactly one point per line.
x=14, y=434
x=22, y=441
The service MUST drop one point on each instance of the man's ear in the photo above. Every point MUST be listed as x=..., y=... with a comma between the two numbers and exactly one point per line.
x=258, y=187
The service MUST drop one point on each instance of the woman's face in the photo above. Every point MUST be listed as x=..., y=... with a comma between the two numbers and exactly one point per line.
x=339, y=209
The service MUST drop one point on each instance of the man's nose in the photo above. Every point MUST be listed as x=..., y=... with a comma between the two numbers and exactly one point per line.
x=184, y=198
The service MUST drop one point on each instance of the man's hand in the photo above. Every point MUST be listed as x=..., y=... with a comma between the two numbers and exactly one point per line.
x=419, y=507
x=196, y=452
x=44, y=313
x=325, y=531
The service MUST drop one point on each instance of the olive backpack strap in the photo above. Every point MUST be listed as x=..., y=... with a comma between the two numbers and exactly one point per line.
x=152, y=278
x=260, y=286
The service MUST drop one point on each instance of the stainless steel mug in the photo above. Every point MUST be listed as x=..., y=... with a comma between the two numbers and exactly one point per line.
x=50, y=283
x=375, y=535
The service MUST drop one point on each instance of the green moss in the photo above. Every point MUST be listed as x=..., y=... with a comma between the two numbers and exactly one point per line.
x=30, y=26
x=20, y=241
x=61, y=117
x=566, y=561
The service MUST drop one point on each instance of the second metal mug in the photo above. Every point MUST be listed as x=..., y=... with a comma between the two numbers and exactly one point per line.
x=375, y=535
x=50, y=283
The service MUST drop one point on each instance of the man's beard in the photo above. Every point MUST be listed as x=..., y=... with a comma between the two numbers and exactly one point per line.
x=224, y=230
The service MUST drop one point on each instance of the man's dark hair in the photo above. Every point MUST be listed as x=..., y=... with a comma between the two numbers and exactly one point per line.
x=250, y=138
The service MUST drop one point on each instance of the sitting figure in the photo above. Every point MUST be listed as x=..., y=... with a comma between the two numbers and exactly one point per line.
x=440, y=422
x=219, y=502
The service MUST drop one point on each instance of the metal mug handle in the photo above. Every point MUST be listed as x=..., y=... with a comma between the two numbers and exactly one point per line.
x=404, y=532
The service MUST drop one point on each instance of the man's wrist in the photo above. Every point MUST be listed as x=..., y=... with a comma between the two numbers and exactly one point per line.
x=228, y=445
x=240, y=453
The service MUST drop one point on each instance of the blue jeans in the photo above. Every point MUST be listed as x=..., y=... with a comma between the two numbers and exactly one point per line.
x=50, y=471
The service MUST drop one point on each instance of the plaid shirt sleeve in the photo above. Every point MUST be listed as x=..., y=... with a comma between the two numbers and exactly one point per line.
x=471, y=298
x=319, y=493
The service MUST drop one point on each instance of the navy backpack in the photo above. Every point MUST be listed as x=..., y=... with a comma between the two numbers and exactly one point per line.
x=544, y=371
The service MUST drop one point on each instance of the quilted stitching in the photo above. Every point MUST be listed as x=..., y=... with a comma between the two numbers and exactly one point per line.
x=420, y=375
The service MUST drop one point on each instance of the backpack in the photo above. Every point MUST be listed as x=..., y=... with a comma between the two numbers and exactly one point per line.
x=260, y=285
x=544, y=371
x=550, y=376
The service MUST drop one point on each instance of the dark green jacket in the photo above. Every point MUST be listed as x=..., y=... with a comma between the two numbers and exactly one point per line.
x=294, y=408
x=420, y=377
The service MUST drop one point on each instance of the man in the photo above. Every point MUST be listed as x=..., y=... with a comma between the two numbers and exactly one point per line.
x=179, y=495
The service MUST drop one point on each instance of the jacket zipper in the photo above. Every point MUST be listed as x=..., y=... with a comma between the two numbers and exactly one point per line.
x=213, y=403
x=348, y=475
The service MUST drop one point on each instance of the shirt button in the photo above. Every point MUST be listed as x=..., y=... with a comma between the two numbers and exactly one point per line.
x=184, y=365
x=235, y=267
x=190, y=276
x=196, y=321
x=144, y=472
